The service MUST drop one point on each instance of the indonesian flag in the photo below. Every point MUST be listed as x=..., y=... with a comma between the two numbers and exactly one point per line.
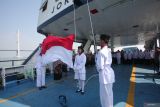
x=56, y=48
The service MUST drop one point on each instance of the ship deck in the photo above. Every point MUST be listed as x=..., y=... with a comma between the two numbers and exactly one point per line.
x=134, y=87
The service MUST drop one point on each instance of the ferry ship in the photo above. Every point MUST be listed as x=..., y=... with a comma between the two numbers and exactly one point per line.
x=129, y=22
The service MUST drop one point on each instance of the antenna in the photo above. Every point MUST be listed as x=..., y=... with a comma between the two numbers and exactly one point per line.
x=18, y=44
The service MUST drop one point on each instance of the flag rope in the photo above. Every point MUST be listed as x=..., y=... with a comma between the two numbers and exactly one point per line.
x=75, y=26
x=91, y=24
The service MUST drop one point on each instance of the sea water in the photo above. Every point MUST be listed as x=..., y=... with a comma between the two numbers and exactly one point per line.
x=11, y=55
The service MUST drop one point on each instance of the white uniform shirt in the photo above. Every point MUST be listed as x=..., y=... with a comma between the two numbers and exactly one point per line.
x=125, y=56
x=104, y=61
x=96, y=57
x=147, y=55
x=129, y=56
x=141, y=55
x=152, y=54
x=79, y=64
x=118, y=55
x=135, y=55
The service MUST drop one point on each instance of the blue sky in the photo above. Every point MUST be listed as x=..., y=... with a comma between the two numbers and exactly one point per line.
x=22, y=15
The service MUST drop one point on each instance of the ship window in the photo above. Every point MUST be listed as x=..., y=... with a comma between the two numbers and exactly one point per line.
x=78, y=2
x=44, y=6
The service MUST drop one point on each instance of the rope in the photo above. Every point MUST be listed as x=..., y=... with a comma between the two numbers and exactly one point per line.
x=91, y=23
x=94, y=75
x=75, y=27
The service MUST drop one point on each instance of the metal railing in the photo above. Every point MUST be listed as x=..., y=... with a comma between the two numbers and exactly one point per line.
x=26, y=71
x=12, y=61
x=31, y=55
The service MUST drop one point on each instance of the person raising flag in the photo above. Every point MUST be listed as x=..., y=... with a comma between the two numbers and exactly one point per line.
x=106, y=73
x=80, y=70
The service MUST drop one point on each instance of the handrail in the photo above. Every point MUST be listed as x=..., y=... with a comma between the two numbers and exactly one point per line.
x=14, y=67
x=13, y=71
x=12, y=60
x=14, y=50
x=21, y=69
x=33, y=53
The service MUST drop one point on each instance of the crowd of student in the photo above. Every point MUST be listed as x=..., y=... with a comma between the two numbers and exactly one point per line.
x=126, y=57
x=135, y=56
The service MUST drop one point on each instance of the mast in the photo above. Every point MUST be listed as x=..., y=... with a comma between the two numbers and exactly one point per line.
x=18, y=44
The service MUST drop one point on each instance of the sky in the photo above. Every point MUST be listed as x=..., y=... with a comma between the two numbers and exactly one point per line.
x=22, y=15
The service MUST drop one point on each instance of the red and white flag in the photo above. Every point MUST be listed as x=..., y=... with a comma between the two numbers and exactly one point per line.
x=56, y=48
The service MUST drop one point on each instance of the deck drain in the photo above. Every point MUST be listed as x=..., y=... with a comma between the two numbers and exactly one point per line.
x=63, y=100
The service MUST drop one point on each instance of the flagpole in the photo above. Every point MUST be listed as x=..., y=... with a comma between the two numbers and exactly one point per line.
x=18, y=44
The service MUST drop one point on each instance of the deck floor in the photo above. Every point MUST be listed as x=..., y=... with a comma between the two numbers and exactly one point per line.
x=27, y=95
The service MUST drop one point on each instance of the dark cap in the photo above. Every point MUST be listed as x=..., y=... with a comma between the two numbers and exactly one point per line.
x=105, y=38
x=80, y=47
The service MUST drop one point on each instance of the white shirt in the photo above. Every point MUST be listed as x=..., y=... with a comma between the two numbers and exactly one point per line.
x=129, y=56
x=141, y=55
x=96, y=57
x=79, y=64
x=147, y=55
x=125, y=56
x=104, y=61
x=118, y=55
x=152, y=54
x=135, y=55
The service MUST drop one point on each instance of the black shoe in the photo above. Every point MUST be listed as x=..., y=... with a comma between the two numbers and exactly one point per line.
x=40, y=88
x=158, y=73
x=44, y=86
x=78, y=91
x=82, y=93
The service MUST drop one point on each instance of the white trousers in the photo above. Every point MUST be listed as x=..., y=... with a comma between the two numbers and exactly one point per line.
x=80, y=76
x=106, y=95
x=40, y=76
x=81, y=84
